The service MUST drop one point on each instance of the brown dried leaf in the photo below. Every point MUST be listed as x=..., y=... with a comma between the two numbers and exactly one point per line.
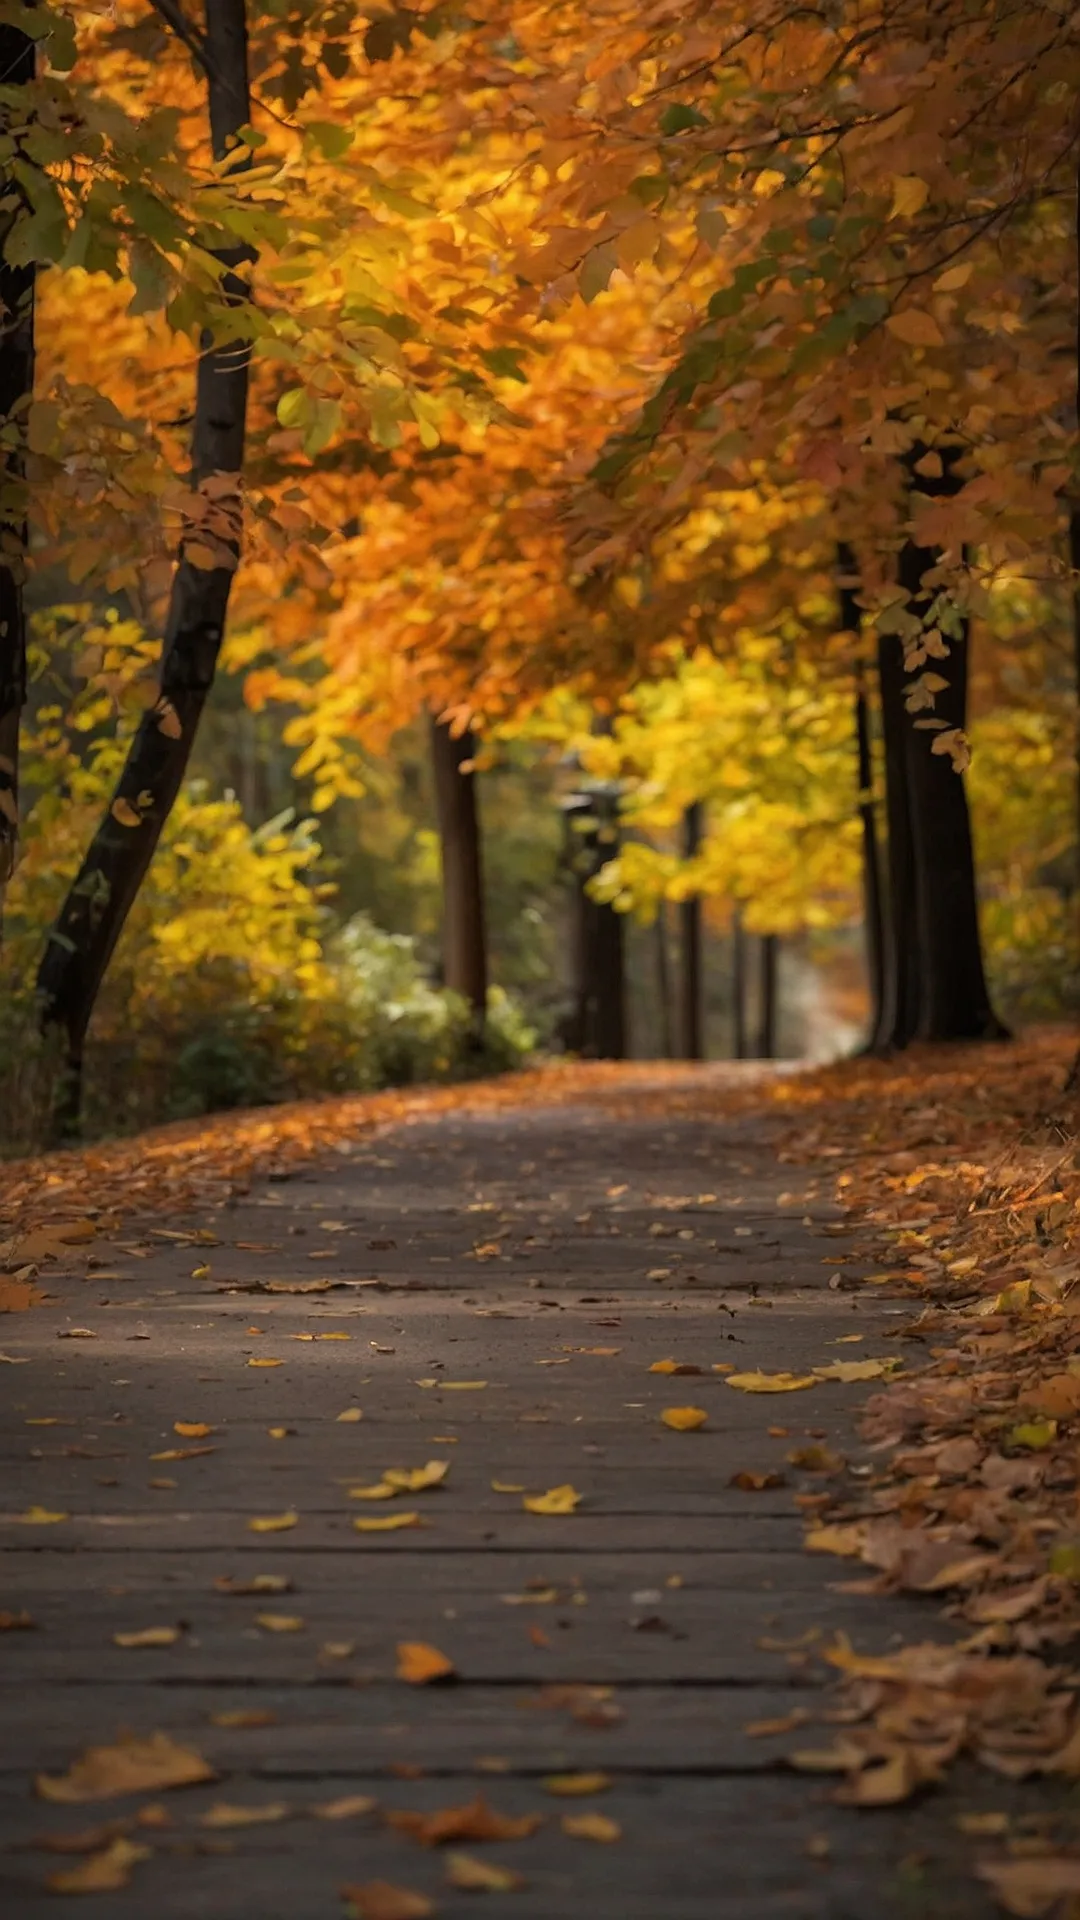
x=480, y=1876
x=476, y=1820
x=104, y=1872
x=380, y=1900
x=133, y=1766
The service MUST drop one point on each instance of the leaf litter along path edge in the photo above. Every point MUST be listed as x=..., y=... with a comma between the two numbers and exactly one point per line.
x=648, y=1630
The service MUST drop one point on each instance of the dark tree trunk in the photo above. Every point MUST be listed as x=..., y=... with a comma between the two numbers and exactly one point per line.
x=953, y=999
x=93, y=915
x=739, y=1046
x=663, y=983
x=16, y=391
x=767, y=997
x=873, y=903
x=597, y=1024
x=464, y=939
x=901, y=969
x=690, y=1046
x=607, y=975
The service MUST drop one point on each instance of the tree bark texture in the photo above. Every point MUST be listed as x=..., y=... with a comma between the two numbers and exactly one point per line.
x=663, y=983
x=464, y=940
x=16, y=391
x=739, y=1046
x=93, y=915
x=873, y=900
x=597, y=1027
x=690, y=1041
x=768, y=1005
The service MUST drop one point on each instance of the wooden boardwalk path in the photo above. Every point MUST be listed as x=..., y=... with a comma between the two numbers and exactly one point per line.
x=502, y=1282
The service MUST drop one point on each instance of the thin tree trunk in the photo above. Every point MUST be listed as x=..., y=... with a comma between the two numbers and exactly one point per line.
x=16, y=391
x=663, y=983
x=954, y=1000
x=739, y=1048
x=464, y=934
x=767, y=998
x=596, y=1027
x=873, y=902
x=901, y=970
x=690, y=1046
x=93, y=915
x=607, y=976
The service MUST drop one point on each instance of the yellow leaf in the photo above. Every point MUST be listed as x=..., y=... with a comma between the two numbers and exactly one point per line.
x=279, y=1622
x=221, y=1814
x=770, y=1382
x=273, y=1522
x=1034, y=1434
x=192, y=1429
x=350, y=1417
x=419, y=1663
x=567, y=1785
x=264, y=1363
x=479, y=1876
x=346, y=1808
x=416, y=1479
x=910, y=195
x=848, y=1370
x=847, y=1541
x=460, y=1386
x=672, y=1366
x=954, y=277
x=506, y=1486
x=104, y=1872
x=556, y=1500
x=684, y=1419
x=390, y=1524
x=381, y=1490
x=591, y=1826
x=148, y=1637
x=915, y=328
x=133, y=1766
x=40, y=1517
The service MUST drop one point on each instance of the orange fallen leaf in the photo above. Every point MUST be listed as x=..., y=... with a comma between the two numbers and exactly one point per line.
x=192, y=1429
x=673, y=1366
x=480, y=1876
x=562, y=1499
x=148, y=1637
x=132, y=1766
x=222, y=1814
x=475, y=1820
x=244, y=1717
x=104, y=1872
x=182, y=1453
x=279, y=1622
x=684, y=1419
x=15, y=1622
x=591, y=1826
x=419, y=1663
x=848, y=1541
x=567, y=1784
x=750, y=1482
x=381, y=1900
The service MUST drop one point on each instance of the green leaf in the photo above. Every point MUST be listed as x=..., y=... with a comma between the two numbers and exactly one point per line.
x=506, y=362
x=333, y=141
x=679, y=118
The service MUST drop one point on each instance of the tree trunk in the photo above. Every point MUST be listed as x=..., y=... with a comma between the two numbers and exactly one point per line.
x=767, y=999
x=873, y=903
x=596, y=1028
x=901, y=969
x=93, y=915
x=464, y=936
x=739, y=1046
x=663, y=983
x=16, y=391
x=690, y=1046
x=953, y=999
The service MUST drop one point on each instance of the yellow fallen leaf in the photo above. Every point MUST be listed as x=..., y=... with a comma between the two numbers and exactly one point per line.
x=460, y=1386
x=886, y=1784
x=132, y=1766
x=347, y=1808
x=264, y=1363
x=389, y=1524
x=221, y=1814
x=847, y=1541
x=480, y=1876
x=273, y=1522
x=280, y=1433
x=591, y=1826
x=192, y=1429
x=1035, y=1435
x=381, y=1490
x=684, y=1419
x=849, y=1370
x=672, y=1366
x=507, y=1486
x=350, y=1416
x=182, y=1453
x=334, y=1336
x=279, y=1622
x=1033, y=1888
x=104, y=1872
x=570, y=1784
x=417, y=1479
x=148, y=1637
x=419, y=1663
x=39, y=1517
x=770, y=1382
x=556, y=1500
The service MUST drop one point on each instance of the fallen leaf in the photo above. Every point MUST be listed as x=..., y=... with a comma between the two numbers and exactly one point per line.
x=39, y=1517
x=417, y=1479
x=1059, y=1396
x=591, y=1826
x=76, y=1333
x=845, y=1540
x=380, y=1490
x=556, y=1500
x=1033, y=1887
x=16, y=1296
x=349, y=1807
x=15, y=1622
x=1035, y=1435
x=390, y=1523
x=350, y=1417
x=221, y=1814
x=480, y=1876
x=770, y=1382
x=460, y=1386
x=673, y=1366
x=475, y=1820
x=756, y=1482
x=507, y=1486
x=192, y=1429
x=182, y=1453
x=279, y=1622
x=273, y=1522
x=104, y=1872
x=253, y=1362
x=148, y=1637
x=419, y=1663
x=259, y=1583
x=380, y=1900
x=132, y=1766
x=781, y=1723
x=684, y=1419
x=568, y=1784
x=244, y=1717
x=887, y=1784
x=849, y=1370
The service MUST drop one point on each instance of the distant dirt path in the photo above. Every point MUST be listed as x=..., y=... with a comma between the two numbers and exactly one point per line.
x=502, y=1280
